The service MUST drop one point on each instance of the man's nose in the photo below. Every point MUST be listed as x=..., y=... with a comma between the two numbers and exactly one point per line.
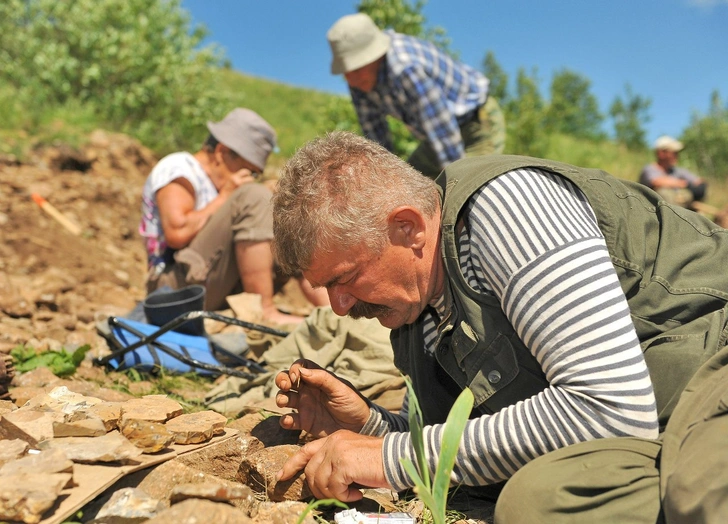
x=341, y=302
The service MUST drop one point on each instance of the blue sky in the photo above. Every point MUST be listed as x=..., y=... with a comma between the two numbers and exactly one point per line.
x=672, y=51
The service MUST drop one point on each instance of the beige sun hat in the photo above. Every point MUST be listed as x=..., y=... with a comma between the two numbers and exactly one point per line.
x=669, y=144
x=247, y=133
x=355, y=42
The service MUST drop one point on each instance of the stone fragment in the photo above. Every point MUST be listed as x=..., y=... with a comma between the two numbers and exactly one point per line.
x=108, y=412
x=246, y=423
x=28, y=425
x=163, y=479
x=246, y=306
x=6, y=406
x=196, y=511
x=26, y=497
x=35, y=378
x=128, y=505
x=214, y=491
x=12, y=449
x=259, y=469
x=194, y=428
x=148, y=436
x=287, y=512
x=43, y=463
x=22, y=394
x=89, y=427
x=109, y=448
x=222, y=459
x=154, y=408
x=62, y=400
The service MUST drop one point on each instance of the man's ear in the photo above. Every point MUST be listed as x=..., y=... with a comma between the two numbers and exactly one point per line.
x=407, y=227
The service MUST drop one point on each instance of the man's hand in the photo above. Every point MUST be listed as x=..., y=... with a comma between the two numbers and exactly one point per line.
x=324, y=402
x=338, y=465
x=237, y=179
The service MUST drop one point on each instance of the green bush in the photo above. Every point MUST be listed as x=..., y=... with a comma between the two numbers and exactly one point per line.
x=135, y=63
x=706, y=140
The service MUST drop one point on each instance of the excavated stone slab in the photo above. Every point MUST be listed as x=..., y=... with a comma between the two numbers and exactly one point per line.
x=259, y=469
x=43, y=463
x=89, y=427
x=26, y=497
x=62, y=400
x=148, y=436
x=194, y=428
x=128, y=505
x=6, y=406
x=22, y=394
x=29, y=425
x=109, y=412
x=217, y=492
x=12, y=449
x=154, y=408
x=111, y=447
x=222, y=459
x=200, y=510
x=287, y=512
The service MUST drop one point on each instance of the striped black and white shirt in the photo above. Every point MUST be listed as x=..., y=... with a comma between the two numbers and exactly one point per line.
x=533, y=241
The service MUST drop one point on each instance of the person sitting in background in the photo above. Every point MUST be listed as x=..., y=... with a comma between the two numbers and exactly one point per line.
x=443, y=102
x=205, y=222
x=675, y=184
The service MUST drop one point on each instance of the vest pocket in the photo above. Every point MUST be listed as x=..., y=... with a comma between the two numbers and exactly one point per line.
x=486, y=369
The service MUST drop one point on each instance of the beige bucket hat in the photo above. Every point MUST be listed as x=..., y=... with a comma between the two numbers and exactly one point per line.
x=355, y=42
x=668, y=143
x=245, y=132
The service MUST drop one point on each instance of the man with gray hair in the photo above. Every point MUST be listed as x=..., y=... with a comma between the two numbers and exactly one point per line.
x=583, y=312
x=205, y=222
x=444, y=103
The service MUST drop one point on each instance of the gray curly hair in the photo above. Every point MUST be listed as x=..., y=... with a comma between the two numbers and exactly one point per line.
x=337, y=192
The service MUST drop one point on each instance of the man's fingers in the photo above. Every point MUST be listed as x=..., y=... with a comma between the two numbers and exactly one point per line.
x=287, y=399
x=298, y=461
x=290, y=421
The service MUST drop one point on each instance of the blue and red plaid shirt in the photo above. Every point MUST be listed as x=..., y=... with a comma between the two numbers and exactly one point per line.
x=427, y=90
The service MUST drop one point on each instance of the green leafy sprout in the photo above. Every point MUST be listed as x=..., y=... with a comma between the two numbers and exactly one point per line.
x=433, y=492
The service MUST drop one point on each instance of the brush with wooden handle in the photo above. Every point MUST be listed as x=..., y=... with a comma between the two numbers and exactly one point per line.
x=55, y=214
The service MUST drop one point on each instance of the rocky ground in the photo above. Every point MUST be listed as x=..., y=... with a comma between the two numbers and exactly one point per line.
x=54, y=287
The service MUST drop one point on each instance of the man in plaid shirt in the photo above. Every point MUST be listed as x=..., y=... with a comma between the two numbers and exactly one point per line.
x=444, y=103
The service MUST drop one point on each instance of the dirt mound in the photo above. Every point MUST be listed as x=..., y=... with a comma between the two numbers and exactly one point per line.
x=52, y=282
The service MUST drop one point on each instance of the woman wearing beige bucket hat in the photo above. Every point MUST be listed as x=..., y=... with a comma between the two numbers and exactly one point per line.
x=205, y=222
x=445, y=103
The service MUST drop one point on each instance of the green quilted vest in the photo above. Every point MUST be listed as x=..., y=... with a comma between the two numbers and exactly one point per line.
x=672, y=265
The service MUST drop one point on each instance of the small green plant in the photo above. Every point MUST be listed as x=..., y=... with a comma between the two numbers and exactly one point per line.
x=316, y=503
x=61, y=363
x=434, y=492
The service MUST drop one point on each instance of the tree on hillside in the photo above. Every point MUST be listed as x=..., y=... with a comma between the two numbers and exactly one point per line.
x=498, y=86
x=405, y=17
x=630, y=114
x=574, y=110
x=525, y=117
x=706, y=139
x=136, y=62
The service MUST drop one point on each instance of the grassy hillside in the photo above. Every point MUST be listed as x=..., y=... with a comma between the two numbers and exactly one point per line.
x=298, y=115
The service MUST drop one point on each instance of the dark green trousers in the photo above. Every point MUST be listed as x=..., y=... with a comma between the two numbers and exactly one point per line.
x=680, y=478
